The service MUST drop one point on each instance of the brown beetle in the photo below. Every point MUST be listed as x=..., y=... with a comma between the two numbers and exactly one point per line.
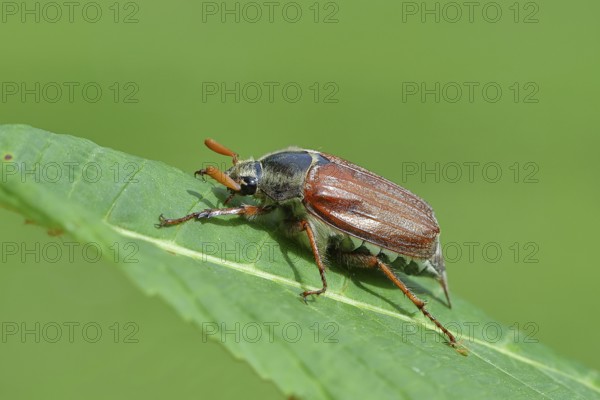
x=347, y=212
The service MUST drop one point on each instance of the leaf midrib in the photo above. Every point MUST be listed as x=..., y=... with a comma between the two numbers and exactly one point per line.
x=252, y=270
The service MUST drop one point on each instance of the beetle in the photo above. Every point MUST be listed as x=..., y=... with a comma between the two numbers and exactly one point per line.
x=346, y=212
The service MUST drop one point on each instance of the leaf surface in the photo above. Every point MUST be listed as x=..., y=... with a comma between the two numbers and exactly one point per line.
x=240, y=282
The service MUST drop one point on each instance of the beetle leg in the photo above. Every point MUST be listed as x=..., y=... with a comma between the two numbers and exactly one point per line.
x=247, y=210
x=416, y=301
x=305, y=226
x=371, y=261
x=229, y=198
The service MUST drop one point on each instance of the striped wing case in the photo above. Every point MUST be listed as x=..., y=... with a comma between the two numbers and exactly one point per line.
x=364, y=205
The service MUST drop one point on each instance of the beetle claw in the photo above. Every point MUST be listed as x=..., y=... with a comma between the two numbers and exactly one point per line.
x=460, y=348
x=310, y=293
x=161, y=221
x=200, y=172
x=304, y=298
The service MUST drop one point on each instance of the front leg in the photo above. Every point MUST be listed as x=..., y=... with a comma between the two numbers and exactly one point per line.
x=249, y=211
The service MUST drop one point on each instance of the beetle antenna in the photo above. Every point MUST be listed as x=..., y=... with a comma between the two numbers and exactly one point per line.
x=220, y=177
x=219, y=148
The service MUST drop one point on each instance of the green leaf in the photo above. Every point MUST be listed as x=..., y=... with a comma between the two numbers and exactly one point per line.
x=240, y=282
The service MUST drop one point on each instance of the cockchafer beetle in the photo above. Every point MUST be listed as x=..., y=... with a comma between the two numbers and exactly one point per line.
x=348, y=213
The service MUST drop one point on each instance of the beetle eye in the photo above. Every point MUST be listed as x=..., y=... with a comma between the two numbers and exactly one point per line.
x=248, y=185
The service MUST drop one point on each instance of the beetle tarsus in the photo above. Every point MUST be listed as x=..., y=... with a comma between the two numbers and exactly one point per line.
x=247, y=210
x=460, y=348
x=303, y=298
x=416, y=301
x=310, y=293
x=200, y=172
x=162, y=221
x=229, y=198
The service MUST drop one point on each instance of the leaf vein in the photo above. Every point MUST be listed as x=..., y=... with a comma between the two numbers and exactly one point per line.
x=252, y=270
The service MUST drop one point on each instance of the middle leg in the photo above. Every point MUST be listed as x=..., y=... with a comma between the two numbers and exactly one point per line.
x=305, y=226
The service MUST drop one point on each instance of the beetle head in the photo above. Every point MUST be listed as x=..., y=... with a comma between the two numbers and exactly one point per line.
x=241, y=179
x=247, y=175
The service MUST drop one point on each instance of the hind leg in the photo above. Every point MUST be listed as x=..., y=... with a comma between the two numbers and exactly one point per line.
x=364, y=260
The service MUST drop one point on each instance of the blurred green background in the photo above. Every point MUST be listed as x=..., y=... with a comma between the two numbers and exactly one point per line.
x=389, y=85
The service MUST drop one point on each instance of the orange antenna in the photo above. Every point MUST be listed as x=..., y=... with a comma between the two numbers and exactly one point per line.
x=219, y=148
x=220, y=177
